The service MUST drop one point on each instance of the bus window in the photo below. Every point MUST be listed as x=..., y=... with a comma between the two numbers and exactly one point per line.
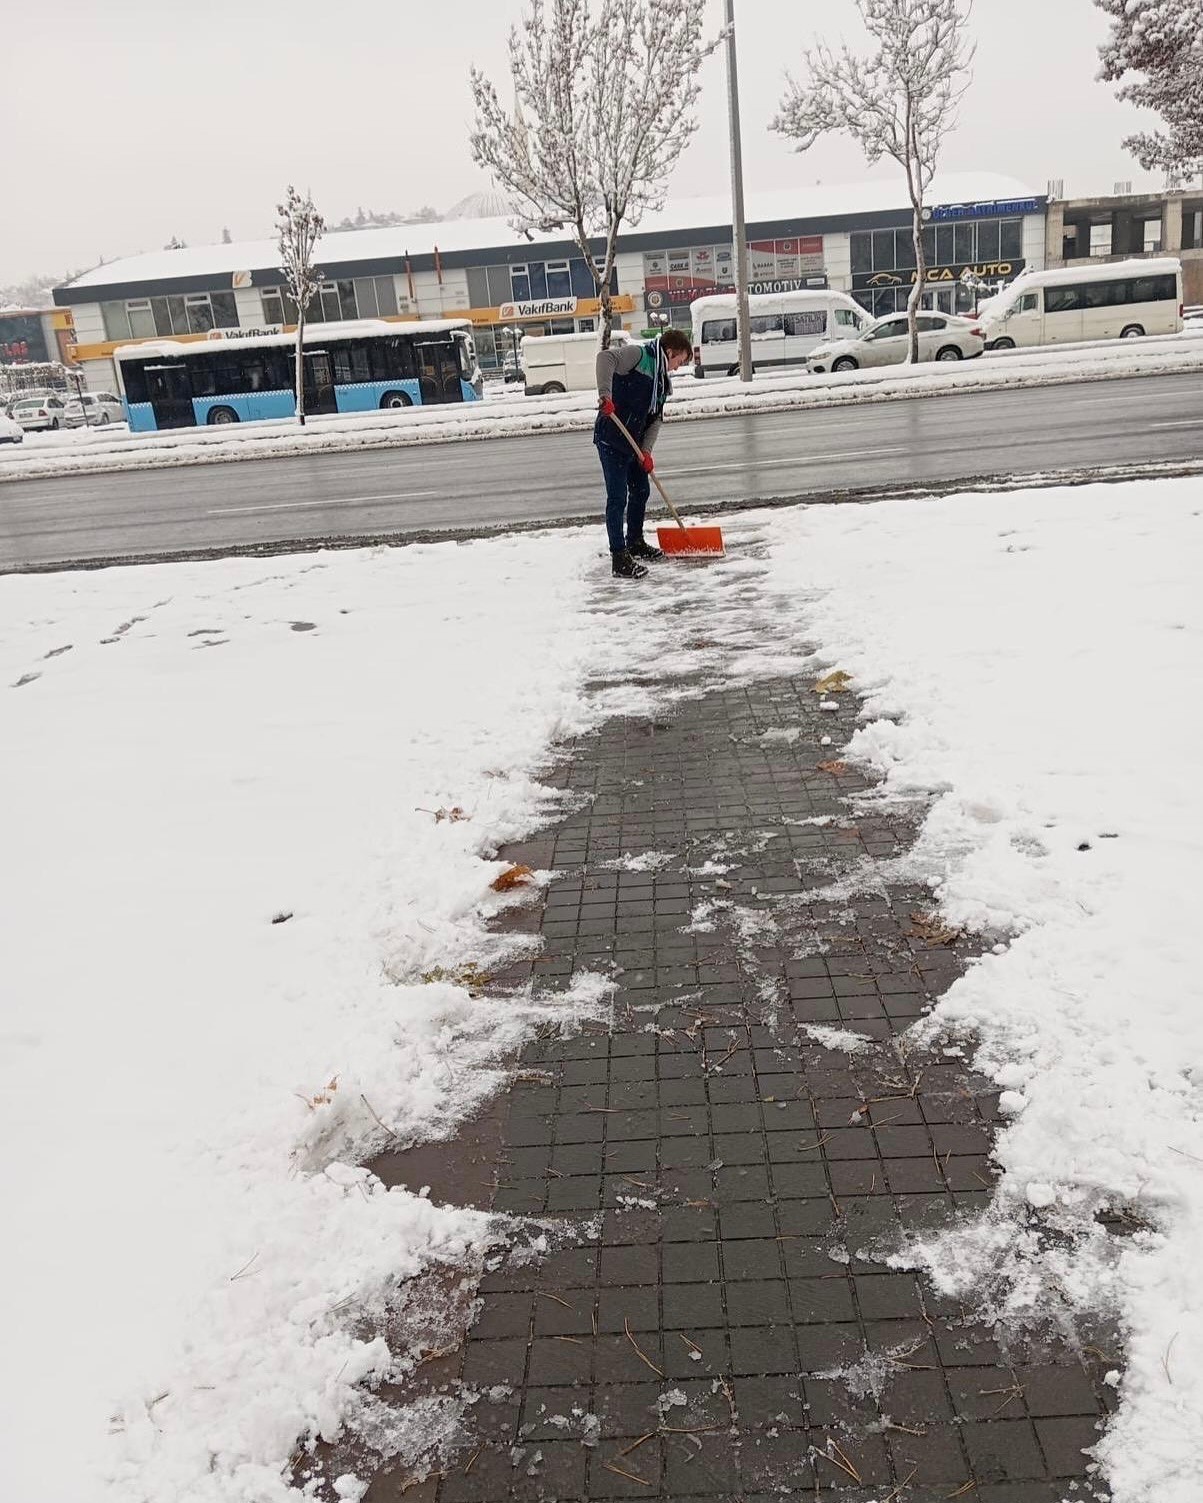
x=814, y=322
x=718, y=331
x=1060, y=299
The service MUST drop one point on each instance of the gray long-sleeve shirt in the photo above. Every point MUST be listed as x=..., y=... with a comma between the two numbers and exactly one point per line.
x=621, y=360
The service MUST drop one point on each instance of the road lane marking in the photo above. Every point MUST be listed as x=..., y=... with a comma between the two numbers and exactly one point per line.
x=235, y=511
x=801, y=459
x=1195, y=422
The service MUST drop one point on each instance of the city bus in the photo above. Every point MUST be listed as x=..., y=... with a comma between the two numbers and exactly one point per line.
x=785, y=327
x=1068, y=304
x=247, y=376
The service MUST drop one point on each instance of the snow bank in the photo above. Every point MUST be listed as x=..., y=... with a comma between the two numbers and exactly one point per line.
x=502, y=415
x=1031, y=665
x=235, y=932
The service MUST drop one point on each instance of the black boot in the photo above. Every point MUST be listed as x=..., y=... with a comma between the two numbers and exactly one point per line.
x=639, y=549
x=625, y=566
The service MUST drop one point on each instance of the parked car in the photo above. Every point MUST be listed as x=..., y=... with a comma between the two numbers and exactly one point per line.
x=10, y=432
x=98, y=408
x=46, y=411
x=942, y=336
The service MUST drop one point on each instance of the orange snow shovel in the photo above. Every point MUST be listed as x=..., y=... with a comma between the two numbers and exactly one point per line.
x=698, y=542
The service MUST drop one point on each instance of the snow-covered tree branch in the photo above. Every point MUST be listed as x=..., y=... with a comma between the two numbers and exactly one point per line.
x=899, y=101
x=604, y=95
x=297, y=230
x=1163, y=40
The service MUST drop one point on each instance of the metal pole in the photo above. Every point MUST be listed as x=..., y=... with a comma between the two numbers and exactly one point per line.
x=737, y=202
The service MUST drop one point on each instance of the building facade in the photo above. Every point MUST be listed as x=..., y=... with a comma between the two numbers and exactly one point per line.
x=855, y=238
x=1117, y=228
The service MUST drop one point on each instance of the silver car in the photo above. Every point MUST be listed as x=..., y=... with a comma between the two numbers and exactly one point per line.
x=95, y=408
x=942, y=336
x=46, y=411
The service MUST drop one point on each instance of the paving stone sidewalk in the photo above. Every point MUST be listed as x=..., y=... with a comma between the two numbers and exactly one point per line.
x=723, y=1325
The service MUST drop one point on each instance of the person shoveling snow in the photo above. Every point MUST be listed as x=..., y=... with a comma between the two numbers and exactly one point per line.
x=633, y=383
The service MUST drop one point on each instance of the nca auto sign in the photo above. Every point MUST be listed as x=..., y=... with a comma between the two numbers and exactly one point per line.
x=548, y=307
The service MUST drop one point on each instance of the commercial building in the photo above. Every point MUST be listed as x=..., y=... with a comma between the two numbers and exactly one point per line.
x=855, y=237
x=1116, y=228
x=35, y=336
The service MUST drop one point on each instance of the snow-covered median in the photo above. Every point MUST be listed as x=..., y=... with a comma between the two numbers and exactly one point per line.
x=1032, y=664
x=508, y=415
x=225, y=878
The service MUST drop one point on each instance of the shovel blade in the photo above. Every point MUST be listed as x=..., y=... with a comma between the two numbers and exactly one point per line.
x=700, y=542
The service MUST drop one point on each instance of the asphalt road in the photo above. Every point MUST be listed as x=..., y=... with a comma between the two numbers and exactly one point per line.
x=498, y=481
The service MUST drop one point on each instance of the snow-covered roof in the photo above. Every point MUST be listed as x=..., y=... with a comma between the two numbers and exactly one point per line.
x=315, y=333
x=718, y=303
x=801, y=201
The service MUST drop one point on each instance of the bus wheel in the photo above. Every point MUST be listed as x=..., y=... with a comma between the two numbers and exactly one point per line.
x=844, y=363
x=734, y=369
x=396, y=399
x=1002, y=344
x=1133, y=331
x=222, y=415
x=553, y=389
x=699, y=373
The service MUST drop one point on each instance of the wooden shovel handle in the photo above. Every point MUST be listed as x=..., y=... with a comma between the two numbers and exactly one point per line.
x=673, y=512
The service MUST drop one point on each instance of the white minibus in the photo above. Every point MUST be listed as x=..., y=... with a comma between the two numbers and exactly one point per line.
x=785, y=327
x=1069, y=304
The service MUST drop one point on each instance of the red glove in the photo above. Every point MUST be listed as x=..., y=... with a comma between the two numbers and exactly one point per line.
x=648, y=463
x=606, y=407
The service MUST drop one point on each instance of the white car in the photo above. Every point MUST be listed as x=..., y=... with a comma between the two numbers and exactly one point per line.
x=10, y=432
x=942, y=336
x=98, y=409
x=46, y=411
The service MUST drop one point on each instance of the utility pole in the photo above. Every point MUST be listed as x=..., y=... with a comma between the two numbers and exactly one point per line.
x=737, y=202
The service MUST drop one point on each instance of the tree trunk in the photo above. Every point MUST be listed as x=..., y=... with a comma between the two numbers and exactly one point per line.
x=912, y=302
x=300, y=367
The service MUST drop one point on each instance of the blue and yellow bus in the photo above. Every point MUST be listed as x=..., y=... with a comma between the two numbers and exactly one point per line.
x=247, y=376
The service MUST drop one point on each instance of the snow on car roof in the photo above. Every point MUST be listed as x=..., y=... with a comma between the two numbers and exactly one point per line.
x=801, y=201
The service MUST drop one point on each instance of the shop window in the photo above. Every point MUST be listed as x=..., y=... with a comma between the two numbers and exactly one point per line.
x=200, y=314
x=562, y=326
x=986, y=250
x=1010, y=234
x=962, y=249
x=559, y=279
x=904, y=251
x=116, y=320
x=160, y=311
x=225, y=310
x=946, y=245
x=929, y=245
x=519, y=284
x=141, y=320
x=862, y=251
x=883, y=250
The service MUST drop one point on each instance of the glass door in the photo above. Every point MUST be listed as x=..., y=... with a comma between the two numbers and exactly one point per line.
x=319, y=382
x=438, y=372
x=169, y=391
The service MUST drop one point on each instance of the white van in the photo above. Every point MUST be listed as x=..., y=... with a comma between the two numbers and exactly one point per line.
x=563, y=362
x=1112, y=300
x=785, y=327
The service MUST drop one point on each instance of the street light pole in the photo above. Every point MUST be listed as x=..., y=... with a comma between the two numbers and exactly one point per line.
x=737, y=202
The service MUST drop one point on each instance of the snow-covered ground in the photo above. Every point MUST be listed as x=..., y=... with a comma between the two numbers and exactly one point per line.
x=1034, y=664
x=507, y=412
x=191, y=754
x=226, y=743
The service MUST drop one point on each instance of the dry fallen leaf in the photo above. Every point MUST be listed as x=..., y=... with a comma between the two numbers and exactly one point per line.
x=933, y=929
x=833, y=683
x=513, y=876
x=833, y=767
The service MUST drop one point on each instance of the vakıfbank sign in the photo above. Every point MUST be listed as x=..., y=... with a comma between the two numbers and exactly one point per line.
x=548, y=307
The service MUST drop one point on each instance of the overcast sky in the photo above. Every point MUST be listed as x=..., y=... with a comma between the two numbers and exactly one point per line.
x=137, y=120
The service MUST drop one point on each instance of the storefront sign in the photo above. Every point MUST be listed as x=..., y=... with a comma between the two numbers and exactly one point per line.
x=992, y=208
x=679, y=297
x=995, y=271
x=548, y=307
x=260, y=332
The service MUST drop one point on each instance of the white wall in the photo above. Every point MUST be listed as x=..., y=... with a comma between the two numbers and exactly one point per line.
x=249, y=303
x=1034, y=241
x=89, y=324
x=100, y=375
x=837, y=259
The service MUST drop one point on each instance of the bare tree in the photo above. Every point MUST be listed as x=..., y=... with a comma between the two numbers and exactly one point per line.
x=1163, y=40
x=899, y=102
x=603, y=108
x=297, y=230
